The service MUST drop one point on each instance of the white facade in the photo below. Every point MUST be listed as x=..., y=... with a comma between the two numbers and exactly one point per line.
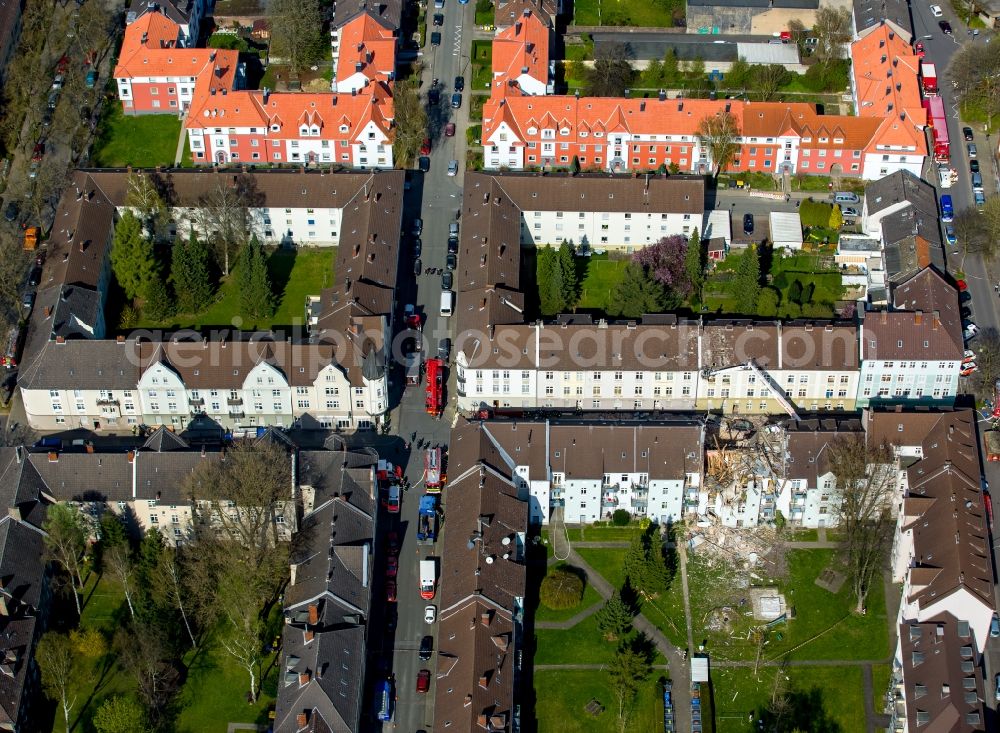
x=92, y=409
x=880, y=164
x=602, y=229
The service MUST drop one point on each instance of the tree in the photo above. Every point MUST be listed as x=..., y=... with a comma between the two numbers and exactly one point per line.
x=666, y=261
x=637, y=293
x=132, y=257
x=694, y=263
x=296, y=32
x=13, y=262
x=983, y=380
x=720, y=134
x=157, y=302
x=561, y=588
x=169, y=582
x=671, y=68
x=798, y=30
x=142, y=195
x=256, y=296
x=832, y=30
x=191, y=274
x=226, y=216
x=991, y=223
x=767, y=79
x=551, y=292
x=55, y=658
x=567, y=271
x=243, y=628
x=971, y=232
x=696, y=77
x=89, y=643
x=739, y=75
x=768, y=302
x=746, y=283
x=836, y=217
x=627, y=669
x=120, y=715
x=621, y=517
x=645, y=565
x=975, y=72
x=143, y=650
x=410, y=118
x=612, y=73
x=865, y=477
x=795, y=291
x=615, y=617
x=118, y=561
x=65, y=543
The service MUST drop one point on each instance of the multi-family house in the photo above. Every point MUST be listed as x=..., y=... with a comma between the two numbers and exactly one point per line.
x=186, y=14
x=507, y=12
x=327, y=601
x=10, y=33
x=912, y=354
x=157, y=72
x=521, y=56
x=872, y=13
x=482, y=588
x=364, y=52
x=522, y=128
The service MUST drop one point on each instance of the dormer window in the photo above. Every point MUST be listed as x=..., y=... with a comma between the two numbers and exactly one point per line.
x=343, y=128
x=564, y=131
x=598, y=134
x=275, y=128
x=304, y=131
x=583, y=133
x=532, y=130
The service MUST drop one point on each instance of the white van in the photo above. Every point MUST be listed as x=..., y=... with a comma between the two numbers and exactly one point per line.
x=447, y=302
x=846, y=197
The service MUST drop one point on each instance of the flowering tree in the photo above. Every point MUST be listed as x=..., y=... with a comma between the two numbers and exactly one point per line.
x=665, y=261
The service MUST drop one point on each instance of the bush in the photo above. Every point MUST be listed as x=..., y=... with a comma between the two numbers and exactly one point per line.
x=621, y=518
x=562, y=588
x=815, y=213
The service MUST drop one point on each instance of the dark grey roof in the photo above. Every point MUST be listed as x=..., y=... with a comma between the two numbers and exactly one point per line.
x=870, y=13
x=180, y=12
x=79, y=313
x=82, y=364
x=164, y=440
x=388, y=13
x=163, y=476
x=22, y=570
x=98, y=477
x=332, y=473
x=17, y=637
x=901, y=186
x=21, y=486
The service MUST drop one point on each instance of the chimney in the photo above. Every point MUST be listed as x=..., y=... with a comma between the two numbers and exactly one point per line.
x=131, y=456
x=313, y=614
x=89, y=447
x=484, y=681
x=309, y=636
x=14, y=512
x=301, y=721
x=918, y=318
x=53, y=457
x=83, y=245
x=120, y=339
x=885, y=317
x=304, y=678
x=485, y=618
x=935, y=320
x=60, y=340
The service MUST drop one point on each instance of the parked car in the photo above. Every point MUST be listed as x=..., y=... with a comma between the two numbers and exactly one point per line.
x=968, y=368
x=391, y=619
x=434, y=96
x=918, y=48
x=46, y=117
x=391, y=566
x=453, y=245
x=444, y=349
x=390, y=591
x=949, y=234
x=971, y=147
x=426, y=648
x=967, y=134
x=35, y=276
x=969, y=355
x=392, y=544
x=394, y=499
x=10, y=213
x=418, y=227
x=418, y=267
x=430, y=614
x=459, y=83
x=33, y=169
x=449, y=130
x=425, y=146
x=435, y=39
x=423, y=681
x=456, y=100
x=973, y=166
x=424, y=163
x=996, y=692
x=418, y=246
x=28, y=300
x=979, y=199
x=451, y=261
x=59, y=81
x=748, y=224
x=452, y=229
x=38, y=152
x=447, y=280
x=945, y=27
x=438, y=19
x=91, y=80
x=936, y=11
x=969, y=331
x=850, y=211
x=453, y=168
x=995, y=626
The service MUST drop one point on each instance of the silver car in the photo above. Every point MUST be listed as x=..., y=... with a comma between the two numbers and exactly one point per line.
x=453, y=168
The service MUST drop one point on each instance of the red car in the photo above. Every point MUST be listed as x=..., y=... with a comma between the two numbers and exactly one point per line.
x=449, y=130
x=394, y=499
x=391, y=566
x=425, y=146
x=38, y=152
x=392, y=544
x=390, y=591
x=423, y=680
x=919, y=48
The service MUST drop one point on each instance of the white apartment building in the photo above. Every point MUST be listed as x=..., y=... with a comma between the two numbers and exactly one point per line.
x=588, y=469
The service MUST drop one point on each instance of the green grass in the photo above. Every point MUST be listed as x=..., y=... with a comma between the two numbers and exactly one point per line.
x=302, y=272
x=628, y=12
x=590, y=597
x=482, y=52
x=476, y=106
x=848, y=637
x=473, y=135
x=485, y=15
x=603, y=533
x=482, y=76
x=580, y=51
x=582, y=644
x=144, y=141
x=603, y=276
x=838, y=691
x=881, y=676
x=608, y=562
x=563, y=695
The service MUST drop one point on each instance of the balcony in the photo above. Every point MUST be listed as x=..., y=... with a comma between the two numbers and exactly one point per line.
x=234, y=401
x=197, y=401
x=107, y=401
x=238, y=414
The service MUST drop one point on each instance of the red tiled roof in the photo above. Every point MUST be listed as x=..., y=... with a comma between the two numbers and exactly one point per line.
x=366, y=41
x=522, y=46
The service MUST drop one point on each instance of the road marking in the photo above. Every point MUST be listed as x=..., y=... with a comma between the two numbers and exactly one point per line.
x=456, y=48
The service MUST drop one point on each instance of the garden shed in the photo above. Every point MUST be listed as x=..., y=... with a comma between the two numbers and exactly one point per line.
x=786, y=229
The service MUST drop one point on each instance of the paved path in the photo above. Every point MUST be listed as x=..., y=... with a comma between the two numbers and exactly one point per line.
x=570, y=622
x=179, y=155
x=800, y=662
x=682, y=554
x=814, y=545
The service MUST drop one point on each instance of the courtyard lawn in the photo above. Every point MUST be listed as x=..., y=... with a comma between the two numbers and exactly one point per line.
x=476, y=106
x=581, y=644
x=881, y=676
x=144, y=141
x=822, y=698
x=562, y=697
x=295, y=274
x=603, y=533
x=608, y=562
x=485, y=14
x=824, y=626
x=628, y=12
x=602, y=277
x=482, y=76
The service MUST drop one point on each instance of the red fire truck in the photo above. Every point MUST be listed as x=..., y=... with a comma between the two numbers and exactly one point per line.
x=434, y=476
x=435, y=387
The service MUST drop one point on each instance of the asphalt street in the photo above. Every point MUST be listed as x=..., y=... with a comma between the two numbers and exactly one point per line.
x=435, y=197
x=939, y=49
